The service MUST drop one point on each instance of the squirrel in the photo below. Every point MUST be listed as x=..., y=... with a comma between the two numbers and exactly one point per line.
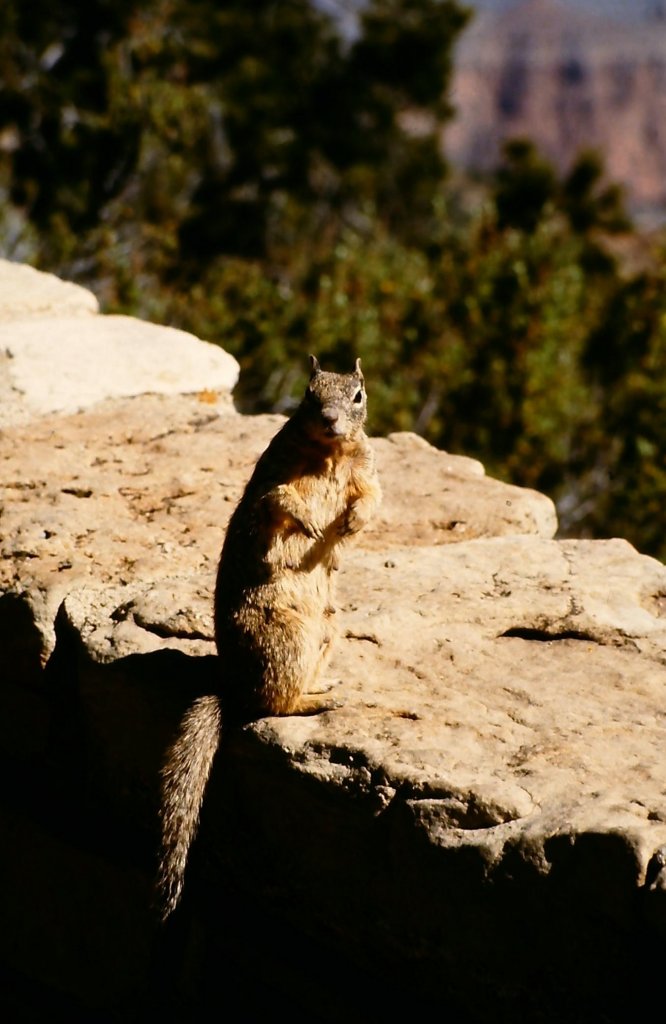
x=315, y=485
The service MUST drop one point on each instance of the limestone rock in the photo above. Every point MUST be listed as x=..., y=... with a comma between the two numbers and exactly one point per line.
x=517, y=682
x=141, y=489
x=89, y=359
x=481, y=825
x=432, y=497
x=522, y=677
x=26, y=292
x=499, y=751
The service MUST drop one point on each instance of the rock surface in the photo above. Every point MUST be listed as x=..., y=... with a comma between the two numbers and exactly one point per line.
x=54, y=356
x=480, y=826
x=26, y=292
x=141, y=489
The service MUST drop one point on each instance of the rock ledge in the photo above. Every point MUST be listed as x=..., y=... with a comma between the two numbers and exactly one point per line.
x=482, y=825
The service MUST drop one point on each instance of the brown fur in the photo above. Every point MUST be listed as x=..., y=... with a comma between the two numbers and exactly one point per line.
x=314, y=486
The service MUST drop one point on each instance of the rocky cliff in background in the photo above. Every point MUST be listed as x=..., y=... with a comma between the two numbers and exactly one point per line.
x=567, y=79
x=479, y=832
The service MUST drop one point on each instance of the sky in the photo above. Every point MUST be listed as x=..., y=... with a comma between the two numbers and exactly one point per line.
x=620, y=8
x=345, y=11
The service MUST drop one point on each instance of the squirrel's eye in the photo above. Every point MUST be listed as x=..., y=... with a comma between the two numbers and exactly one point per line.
x=358, y=397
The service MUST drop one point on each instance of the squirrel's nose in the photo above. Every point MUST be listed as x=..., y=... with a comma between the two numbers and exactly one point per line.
x=330, y=415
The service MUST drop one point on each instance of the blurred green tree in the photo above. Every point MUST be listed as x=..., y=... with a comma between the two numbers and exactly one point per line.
x=525, y=183
x=67, y=150
x=625, y=358
x=204, y=119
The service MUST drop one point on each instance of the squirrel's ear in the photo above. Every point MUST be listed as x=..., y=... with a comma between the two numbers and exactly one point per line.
x=357, y=369
x=314, y=366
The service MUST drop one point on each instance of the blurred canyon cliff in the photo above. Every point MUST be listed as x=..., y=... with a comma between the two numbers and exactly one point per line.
x=569, y=77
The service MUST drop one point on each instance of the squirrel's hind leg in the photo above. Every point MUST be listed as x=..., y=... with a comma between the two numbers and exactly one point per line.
x=310, y=701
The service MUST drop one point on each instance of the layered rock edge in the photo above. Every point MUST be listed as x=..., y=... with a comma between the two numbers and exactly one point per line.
x=488, y=806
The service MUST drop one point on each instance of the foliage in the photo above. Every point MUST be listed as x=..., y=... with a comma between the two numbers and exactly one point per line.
x=197, y=120
x=241, y=170
x=626, y=360
x=477, y=343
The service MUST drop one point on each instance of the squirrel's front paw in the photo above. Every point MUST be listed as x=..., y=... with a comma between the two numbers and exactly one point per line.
x=351, y=522
x=311, y=530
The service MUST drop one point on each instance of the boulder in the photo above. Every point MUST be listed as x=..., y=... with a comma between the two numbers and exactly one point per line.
x=29, y=293
x=141, y=489
x=478, y=831
x=67, y=363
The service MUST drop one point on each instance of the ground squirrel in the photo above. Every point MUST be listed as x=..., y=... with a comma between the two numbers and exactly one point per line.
x=315, y=485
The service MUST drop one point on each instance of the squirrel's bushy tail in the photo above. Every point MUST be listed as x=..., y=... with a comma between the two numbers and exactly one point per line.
x=184, y=778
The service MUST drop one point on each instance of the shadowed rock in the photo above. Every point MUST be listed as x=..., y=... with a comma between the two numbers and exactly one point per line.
x=479, y=829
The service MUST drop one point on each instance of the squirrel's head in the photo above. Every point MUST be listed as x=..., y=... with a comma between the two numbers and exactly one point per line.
x=335, y=403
